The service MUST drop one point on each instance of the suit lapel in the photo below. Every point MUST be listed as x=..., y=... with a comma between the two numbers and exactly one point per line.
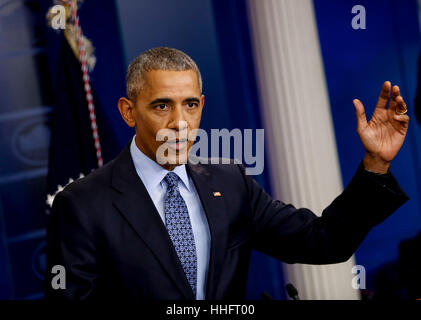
x=136, y=206
x=215, y=210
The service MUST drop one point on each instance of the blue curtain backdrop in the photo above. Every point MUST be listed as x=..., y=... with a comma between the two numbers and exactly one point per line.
x=357, y=62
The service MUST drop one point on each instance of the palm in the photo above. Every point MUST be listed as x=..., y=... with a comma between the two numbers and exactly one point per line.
x=384, y=134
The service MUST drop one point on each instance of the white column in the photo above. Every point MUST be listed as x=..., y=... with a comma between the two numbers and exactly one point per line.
x=299, y=132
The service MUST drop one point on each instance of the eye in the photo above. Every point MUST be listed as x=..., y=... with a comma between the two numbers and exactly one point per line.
x=161, y=107
x=192, y=105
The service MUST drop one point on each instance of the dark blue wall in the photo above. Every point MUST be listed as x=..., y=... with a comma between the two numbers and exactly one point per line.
x=28, y=58
x=25, y=104
x=357, y=62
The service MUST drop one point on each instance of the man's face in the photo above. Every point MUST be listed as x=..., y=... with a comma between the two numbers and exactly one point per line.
x=169, y=102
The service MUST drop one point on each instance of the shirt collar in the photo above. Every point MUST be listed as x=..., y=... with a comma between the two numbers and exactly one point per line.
x=151, y=173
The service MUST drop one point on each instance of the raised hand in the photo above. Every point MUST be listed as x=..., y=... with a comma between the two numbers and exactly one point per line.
x=383, y=135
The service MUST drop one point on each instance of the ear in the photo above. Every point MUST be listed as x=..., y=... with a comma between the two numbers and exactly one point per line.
x=202, y=100
x=126, y=108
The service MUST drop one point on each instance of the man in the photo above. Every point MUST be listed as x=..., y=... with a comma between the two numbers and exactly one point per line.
x=150, y=226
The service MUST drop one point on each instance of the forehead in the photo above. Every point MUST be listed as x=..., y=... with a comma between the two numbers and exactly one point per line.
x=171, y=82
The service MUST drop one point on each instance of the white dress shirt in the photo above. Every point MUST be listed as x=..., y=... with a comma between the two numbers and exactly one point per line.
x=152, y=176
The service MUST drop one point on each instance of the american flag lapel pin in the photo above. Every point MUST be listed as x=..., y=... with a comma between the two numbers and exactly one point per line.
x=217, y=194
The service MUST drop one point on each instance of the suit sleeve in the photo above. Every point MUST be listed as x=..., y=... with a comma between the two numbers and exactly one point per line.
x=71, y=244
x=299, y=236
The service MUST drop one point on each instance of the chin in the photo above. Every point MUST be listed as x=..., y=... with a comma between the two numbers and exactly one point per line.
x=173, y=158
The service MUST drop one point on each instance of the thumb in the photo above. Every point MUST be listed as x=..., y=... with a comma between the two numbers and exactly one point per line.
x=360, y=113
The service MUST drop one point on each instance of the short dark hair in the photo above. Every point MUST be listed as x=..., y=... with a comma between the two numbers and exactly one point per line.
x=160, y=58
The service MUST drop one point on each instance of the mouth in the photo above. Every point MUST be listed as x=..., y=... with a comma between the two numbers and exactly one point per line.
x=177, y=144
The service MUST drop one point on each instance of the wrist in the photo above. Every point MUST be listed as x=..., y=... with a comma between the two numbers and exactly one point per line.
x=375, y=164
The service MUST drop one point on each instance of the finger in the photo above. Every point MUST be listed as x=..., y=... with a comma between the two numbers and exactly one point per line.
x=384, y=95
x=395, y=93
x=403, y=121
x=401, y=118
x=400, y=105
x=360, y=113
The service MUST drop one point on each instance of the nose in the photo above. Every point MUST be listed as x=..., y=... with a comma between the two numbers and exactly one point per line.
x=177, y=120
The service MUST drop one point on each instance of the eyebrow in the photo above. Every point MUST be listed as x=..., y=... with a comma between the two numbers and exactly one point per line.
x=168, y=100
x=161, y=100
x=192, y=99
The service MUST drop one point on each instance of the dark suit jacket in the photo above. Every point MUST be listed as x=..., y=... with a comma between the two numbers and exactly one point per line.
x=107, y=233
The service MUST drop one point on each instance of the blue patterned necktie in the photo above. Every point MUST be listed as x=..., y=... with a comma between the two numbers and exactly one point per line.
x=180, y=230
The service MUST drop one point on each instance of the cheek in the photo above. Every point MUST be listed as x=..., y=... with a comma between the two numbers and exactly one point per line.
x=148, y=129
x=194, y=120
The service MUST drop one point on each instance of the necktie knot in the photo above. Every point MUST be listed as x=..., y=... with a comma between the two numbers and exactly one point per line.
x=171, y=179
